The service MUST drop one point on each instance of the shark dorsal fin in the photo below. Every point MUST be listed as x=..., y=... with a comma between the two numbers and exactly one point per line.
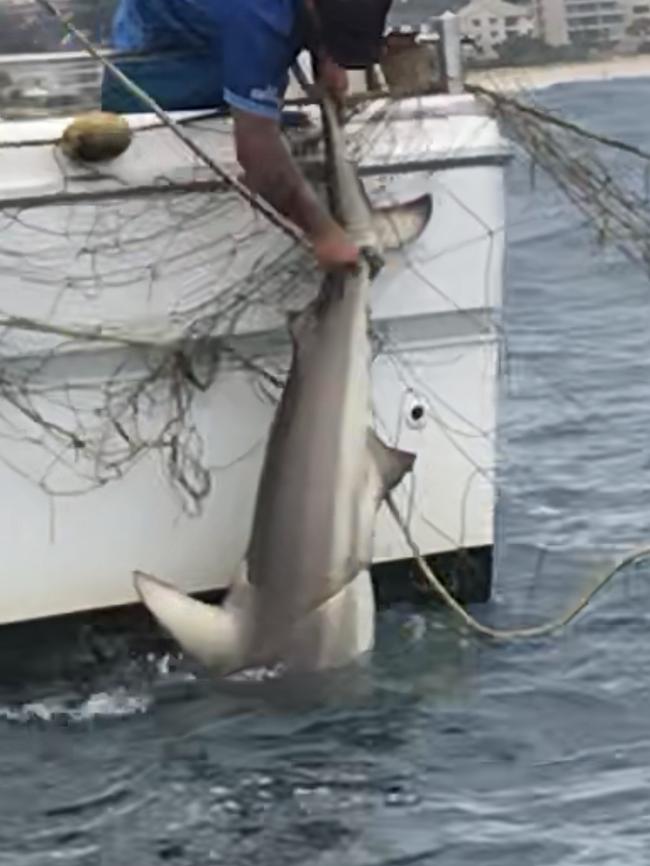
x=392, y=464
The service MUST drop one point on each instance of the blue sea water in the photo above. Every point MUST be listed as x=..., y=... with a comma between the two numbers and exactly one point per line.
x=448, y=750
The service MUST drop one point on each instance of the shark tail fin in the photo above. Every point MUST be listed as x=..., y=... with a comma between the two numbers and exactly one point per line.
x=392, y=464
x=215, y=636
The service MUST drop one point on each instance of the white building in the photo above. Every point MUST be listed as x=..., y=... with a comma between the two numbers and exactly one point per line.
x=588, y=22
x=595, y=21
x=637, y=15
x=490, y=22
x=552, y=22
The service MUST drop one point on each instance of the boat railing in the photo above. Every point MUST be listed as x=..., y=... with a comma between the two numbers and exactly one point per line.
x=420, y=59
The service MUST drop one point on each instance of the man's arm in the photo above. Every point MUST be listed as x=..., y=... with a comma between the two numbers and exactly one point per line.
x=270, y=171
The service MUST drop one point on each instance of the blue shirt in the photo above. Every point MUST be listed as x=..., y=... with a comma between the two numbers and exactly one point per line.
x=233, y=51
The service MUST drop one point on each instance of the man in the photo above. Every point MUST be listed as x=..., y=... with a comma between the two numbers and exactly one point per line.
x=239, y=52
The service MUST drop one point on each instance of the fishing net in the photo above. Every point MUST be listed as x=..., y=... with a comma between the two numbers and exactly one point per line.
x=607, y=179
x=201, y=270
x=170, y=285
x=189, y=264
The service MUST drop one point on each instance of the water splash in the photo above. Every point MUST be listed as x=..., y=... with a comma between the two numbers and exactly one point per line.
x=117, y=704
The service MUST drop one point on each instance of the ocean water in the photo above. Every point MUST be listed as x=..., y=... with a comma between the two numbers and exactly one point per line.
x=447, y=750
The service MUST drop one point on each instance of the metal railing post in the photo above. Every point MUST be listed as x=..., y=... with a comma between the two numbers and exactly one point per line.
x=448, y=27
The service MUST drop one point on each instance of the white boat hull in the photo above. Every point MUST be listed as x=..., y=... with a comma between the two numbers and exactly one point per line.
x=434, y=379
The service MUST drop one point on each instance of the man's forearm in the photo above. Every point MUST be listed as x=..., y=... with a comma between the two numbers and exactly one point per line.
x=271, y=171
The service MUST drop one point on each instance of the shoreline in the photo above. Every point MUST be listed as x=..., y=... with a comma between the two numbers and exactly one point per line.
x=517, y=78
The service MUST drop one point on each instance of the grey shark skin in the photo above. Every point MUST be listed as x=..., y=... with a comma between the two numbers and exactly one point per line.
x=305, y=599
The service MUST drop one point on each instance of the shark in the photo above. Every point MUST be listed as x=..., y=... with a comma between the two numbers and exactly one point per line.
x=304, y=598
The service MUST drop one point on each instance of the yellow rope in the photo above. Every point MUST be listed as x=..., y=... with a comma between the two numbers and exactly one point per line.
x=511, y=633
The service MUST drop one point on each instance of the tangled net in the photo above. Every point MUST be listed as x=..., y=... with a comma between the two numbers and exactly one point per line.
x=166, y=283
x=201, y=270
x=612, y=193
x=181, y=259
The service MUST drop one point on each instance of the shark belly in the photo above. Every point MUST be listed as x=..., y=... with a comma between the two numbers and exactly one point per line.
x=337, y=632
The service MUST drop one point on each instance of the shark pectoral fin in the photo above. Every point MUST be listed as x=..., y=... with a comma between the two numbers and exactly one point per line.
x=392, y=464
x=213, y=635
x=398, y=225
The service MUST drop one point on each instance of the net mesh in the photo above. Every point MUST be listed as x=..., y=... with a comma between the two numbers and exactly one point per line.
x=195, y=270
x=201, y=269
x=175, y=261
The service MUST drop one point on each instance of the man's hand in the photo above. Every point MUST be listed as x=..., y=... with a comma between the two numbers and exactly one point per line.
x=332, y=78
x=329, y=75
x=333, y=248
